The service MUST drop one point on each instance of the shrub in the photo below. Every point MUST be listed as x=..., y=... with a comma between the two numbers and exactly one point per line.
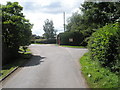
x=16, y=30
x=76, y=36
x=46, y=41
x=104, y=46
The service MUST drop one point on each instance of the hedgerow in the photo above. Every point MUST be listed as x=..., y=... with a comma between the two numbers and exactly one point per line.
x=104, y=46
x=65, y=37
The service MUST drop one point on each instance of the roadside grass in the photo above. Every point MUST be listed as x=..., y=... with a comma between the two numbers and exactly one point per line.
x=22, y=50
x=8, y=68
x=73, y=46
x=38, y=43
x=97, y=76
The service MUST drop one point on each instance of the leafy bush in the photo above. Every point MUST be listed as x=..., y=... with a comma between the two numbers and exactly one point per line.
x=16, y=30
x=45, y=41
x=76, y=36
x=104, y=46
x=97, y=76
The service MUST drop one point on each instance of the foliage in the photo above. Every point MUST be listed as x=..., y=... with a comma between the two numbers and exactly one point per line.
x=97, y=76
x=16, y=30
x=93, y=15
x=24, y=48
x=101, y=12
x=46, y=41
x=34, y=36
x=21, y=50
x=104, y=46
x=76, y=37
x=49, y=29
x=74, y=22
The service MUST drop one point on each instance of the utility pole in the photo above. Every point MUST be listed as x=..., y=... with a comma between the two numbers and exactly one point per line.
x=64, y=20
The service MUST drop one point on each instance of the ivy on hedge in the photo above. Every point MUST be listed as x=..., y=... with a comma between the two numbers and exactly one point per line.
x=104, y=46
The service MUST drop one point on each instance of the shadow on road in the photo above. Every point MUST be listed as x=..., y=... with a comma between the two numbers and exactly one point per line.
x=35, y=60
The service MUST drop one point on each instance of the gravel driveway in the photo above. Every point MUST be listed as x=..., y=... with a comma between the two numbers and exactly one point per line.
x=50, y=67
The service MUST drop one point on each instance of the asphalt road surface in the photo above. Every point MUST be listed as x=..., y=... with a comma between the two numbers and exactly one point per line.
x=51, y=67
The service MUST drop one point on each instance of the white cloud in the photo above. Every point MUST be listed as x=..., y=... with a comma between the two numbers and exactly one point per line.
x=38, y=11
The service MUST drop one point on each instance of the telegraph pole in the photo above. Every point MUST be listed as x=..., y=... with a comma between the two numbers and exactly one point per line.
x=64, y=20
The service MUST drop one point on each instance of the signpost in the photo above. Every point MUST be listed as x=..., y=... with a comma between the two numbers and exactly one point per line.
x=64, y=20
x=70, y=39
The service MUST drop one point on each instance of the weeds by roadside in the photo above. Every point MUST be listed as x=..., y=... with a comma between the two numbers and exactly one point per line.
x=97, y=76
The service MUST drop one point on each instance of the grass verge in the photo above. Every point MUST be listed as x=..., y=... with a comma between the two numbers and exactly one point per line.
x=8, y=68
x=97, y=76
x=72, y=46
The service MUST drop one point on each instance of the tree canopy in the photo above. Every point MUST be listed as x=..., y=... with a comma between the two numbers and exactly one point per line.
x=16, y=29
x=93, y=15
x=49, y=29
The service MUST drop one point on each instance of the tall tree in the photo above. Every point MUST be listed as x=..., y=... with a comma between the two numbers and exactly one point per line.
x=16, y=30
x=49, y=29
x=74, y=22
x=101, y=13
x=94, y=15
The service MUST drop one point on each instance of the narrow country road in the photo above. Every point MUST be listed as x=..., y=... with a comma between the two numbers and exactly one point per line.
x=50, y=67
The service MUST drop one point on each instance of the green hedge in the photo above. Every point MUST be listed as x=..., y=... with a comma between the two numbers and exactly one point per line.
x=45, y=41
x=104, y=46
x=76, y=36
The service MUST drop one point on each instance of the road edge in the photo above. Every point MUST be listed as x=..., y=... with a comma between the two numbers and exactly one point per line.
x=15, y=69
x=9, y=74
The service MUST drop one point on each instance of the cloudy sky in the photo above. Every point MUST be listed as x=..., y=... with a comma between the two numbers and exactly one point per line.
x=37, y=11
